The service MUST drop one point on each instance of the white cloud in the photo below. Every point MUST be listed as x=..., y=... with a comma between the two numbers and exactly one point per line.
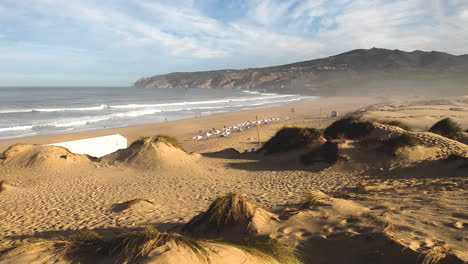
x=269, y=31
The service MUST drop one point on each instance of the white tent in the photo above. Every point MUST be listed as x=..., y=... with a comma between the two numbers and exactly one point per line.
x=96, y=147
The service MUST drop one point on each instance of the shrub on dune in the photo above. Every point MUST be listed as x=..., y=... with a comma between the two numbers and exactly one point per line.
x=289, y=138
x=349, y=127
x=391, y=145
x=327, y=152
x=448, y=128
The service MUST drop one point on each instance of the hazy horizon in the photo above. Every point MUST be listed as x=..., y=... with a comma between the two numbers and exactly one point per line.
x=84, y=43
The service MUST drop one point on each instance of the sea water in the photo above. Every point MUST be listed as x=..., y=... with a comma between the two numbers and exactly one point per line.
x=28, y=111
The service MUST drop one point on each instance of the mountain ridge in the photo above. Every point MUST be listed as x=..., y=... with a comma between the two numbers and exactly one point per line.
x=356, y=71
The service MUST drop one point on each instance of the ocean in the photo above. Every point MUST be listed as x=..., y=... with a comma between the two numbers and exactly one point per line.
x=29, y=111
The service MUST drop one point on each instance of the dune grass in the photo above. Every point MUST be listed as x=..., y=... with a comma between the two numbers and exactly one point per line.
x=85, y=241
x=138, y=244
x=227, y=210
x=352, y=127
x=268, y=249
x=314, y=198
x=448, y=128
x=289, y=138
x=127, y=247
x=327, y=152
x=391, y=145
x=435, y=255
x=395, y=123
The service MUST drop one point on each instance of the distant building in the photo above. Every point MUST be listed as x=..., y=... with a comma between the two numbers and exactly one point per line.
x=96, y=147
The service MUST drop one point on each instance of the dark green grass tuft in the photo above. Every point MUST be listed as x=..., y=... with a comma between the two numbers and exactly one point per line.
x=327, y=152
x=448, y=128
x=289, y=138
x=349, y=127
x=391, y=145
x=395, y=123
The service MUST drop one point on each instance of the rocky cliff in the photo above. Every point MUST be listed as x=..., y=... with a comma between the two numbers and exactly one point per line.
x=356, y=71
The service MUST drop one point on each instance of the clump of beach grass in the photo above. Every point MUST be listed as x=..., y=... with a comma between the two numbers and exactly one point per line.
x=448, y=128
x=314, y=198
x=351, y=127
x=289, y=138
x=138, y=244
x=268, y=249
x=435, y=255
x=327, y=152
x=391, y=145
x=228, y=210
x=85, y=241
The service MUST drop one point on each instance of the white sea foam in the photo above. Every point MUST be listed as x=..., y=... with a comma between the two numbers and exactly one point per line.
x=90, y=108
x=39, y=119
x=15, y=128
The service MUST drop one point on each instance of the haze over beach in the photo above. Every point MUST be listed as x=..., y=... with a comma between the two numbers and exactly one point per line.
x=260, y=131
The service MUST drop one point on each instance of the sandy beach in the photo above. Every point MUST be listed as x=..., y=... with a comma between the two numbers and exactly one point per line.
x=184, y=130
x=374, y=208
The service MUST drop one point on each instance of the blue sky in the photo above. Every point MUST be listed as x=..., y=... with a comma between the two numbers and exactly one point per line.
x=115, y=42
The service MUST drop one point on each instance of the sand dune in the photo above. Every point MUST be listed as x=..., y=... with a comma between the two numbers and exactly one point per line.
x=150, y=152
x=33, y=156
x=392, y=196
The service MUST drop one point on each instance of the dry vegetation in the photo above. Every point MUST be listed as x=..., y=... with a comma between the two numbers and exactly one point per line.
x=289, y=138
x=390, y=146
x=83, y=242
x=349, y=127
x=327, y=152
x=226, y=211
x=314, y=198
x=138, y=244
x=435, y=255
x=448, y=128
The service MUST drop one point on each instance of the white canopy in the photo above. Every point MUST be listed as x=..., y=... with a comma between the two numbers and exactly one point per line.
x=96, y=147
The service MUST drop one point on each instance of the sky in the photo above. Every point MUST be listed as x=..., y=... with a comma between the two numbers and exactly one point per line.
x=115, y=42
